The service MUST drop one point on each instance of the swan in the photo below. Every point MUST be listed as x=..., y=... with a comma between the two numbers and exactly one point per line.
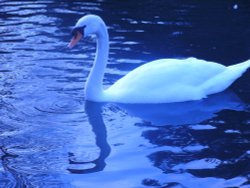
x=159, y=81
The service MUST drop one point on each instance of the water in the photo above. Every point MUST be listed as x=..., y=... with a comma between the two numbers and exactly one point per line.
x=51, y=137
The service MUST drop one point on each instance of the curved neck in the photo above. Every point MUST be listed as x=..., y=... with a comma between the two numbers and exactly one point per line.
x=94, y=88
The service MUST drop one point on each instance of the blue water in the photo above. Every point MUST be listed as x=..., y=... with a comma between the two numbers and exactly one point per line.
x=51, y=137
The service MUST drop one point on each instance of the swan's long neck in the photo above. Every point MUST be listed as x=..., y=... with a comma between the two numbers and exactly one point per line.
x=94, y=84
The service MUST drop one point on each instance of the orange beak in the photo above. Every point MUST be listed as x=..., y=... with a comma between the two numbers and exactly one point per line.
x=75, y=39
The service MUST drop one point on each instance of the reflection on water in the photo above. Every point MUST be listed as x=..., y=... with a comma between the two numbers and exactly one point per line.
x=51, y=137
x=93, y=111
x=201, y=151
x=185, y=112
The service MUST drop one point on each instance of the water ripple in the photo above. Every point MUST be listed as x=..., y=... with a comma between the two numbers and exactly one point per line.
x=60, y=106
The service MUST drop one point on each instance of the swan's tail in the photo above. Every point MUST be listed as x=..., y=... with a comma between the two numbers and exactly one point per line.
x=223, y=80
x=241, y=66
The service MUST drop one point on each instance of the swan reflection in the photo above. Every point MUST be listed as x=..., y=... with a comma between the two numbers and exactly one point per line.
x=190, y=112
x=157, y=114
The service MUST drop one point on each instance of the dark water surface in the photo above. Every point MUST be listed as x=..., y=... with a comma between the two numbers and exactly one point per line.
x=51, y=137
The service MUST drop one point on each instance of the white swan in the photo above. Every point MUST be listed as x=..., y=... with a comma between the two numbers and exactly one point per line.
x=160, y=81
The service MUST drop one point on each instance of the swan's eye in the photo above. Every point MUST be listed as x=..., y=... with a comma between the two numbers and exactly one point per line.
x=78, y=29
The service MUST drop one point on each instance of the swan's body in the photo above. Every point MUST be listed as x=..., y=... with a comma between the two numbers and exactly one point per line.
x=160, y=81
x=172, y=80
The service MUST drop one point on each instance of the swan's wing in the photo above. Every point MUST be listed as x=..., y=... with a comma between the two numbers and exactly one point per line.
x=170, y=72
x=166, y=79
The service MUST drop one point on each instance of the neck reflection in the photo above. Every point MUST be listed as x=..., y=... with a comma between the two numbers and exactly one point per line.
x=94, y=113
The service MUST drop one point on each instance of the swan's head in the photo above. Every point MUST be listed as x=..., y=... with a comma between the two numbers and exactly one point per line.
x=84, y=27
